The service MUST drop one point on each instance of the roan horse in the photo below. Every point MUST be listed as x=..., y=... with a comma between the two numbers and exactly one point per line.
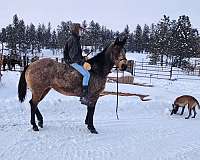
x=42, y=75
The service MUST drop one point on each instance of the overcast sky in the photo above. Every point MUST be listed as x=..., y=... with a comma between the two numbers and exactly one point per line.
x=114, y=14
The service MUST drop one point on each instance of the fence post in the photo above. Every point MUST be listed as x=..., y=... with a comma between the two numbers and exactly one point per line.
x=150, y=77
x=134, y=68
x=199, y=72
x=142, y=63
x=132, y=63
x=170, y=76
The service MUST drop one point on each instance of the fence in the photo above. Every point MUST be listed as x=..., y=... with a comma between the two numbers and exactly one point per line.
x=146, y=70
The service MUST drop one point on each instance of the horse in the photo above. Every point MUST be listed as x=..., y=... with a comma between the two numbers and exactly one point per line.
x=45, y=74
x=11, y=61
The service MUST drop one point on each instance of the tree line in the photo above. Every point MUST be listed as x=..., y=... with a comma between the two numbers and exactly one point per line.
x=173, y=39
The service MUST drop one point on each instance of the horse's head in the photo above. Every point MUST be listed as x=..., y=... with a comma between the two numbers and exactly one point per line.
x=118, y=54
x=114, y=54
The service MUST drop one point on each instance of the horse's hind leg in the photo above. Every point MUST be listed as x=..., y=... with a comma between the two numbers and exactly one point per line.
x=33, y=111
x=38, y=114
x=36, y=98
x=39, y=117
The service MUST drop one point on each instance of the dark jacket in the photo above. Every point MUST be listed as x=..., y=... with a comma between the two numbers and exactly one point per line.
x=74, y=50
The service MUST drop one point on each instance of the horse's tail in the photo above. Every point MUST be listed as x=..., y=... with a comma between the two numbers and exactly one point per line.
x=22, y=86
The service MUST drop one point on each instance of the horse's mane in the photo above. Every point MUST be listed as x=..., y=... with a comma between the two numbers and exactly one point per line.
x=99, y=58
x=101, y=63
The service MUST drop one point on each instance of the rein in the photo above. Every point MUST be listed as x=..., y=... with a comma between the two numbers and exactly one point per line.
x=88, y=53
x=117, y=104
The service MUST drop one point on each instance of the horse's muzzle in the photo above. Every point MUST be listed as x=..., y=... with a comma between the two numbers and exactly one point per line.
x=123, y=67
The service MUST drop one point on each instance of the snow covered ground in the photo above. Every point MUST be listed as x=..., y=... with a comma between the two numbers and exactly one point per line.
x=144, y=131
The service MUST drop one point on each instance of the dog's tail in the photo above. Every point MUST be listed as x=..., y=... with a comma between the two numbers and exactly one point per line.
x=196, y=102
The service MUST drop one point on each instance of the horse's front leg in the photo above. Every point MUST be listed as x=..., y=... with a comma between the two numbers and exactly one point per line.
x=89, y=118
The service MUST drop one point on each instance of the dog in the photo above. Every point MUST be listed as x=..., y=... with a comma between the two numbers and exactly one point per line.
x=182, y=101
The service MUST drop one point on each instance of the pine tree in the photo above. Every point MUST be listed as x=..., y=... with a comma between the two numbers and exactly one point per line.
x=63, y=32
x=173, y=41
x=48, y=36
x=2, y=38
x=84, y=36
x=126, y=33
x=130, y=45
x=94, y=33
x=145, y=38
x=54, y=41
x=138, y=39
x=39, y=38
x=31, y=37
x=163, y=34
x=21, y=29
x=15, y=32
x=186, y=38
x=11, y=42
x=43, y=40
x=154, y=57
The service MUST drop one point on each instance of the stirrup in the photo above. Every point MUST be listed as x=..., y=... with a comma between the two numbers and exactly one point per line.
x=85, y=101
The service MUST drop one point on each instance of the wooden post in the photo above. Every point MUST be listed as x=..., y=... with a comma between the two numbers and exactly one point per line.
x=1, y=63
x=62, y=60
x=150, y=77
x=170, y=76
x=134, y=68
x=132, y=64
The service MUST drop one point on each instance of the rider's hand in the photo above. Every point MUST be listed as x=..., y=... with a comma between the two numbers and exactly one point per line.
x=87, y=66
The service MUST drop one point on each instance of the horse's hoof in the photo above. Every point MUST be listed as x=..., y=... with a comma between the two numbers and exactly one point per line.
x=35, y=128
x=86, y=122
x=186, y=117
x=40, y=124
x=93, y=130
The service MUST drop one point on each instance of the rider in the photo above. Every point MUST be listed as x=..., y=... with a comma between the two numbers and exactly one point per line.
x=76, y=59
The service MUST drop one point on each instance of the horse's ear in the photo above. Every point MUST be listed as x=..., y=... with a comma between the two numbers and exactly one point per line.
x=116, y=41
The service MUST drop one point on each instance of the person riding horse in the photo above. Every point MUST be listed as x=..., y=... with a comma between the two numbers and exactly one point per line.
x=46, y=74
x=73, y=56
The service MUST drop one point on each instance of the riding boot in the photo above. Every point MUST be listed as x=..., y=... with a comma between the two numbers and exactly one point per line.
x=84, y=99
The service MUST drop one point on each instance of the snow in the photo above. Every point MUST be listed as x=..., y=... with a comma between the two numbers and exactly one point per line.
x=145, y=130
